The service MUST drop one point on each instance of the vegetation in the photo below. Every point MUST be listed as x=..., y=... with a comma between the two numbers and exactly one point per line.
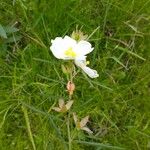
x=32, y=81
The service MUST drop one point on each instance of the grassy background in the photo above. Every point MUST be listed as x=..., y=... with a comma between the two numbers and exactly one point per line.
x=30, y=76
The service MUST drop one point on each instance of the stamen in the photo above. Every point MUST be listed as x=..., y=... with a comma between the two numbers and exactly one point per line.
x=87, y=62
x=70, y=52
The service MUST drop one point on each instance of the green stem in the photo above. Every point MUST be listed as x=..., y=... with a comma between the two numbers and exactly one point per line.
x=68, y=129
x=28, y=127
x=74, y=133
x=68, y=119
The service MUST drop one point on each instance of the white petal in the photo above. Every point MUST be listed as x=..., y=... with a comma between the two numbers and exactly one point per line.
x=80, y=61
x=69, y=40
x=55, y=47
x=90, y=72
x=83, y=47
x=60, y=45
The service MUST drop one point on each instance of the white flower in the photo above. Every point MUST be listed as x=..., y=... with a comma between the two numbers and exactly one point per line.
x=69, y=49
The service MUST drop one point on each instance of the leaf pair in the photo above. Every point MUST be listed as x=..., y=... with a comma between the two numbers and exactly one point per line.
x=62, y=106
x=81, y=125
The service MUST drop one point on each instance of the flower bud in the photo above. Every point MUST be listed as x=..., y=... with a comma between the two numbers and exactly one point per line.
x=70, y=87
x=78, y=35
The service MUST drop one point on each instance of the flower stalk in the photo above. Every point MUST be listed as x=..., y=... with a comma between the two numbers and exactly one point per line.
x=74, y=49
x=70, y=89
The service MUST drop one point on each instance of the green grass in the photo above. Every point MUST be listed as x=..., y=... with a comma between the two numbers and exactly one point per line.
x=31, y=81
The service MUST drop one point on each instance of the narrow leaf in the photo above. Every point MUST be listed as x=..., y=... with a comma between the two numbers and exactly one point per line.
x=130, y=52
x=118, y=61
x=100, y=145
x=13, y=39
x=9, y=29
x=2, y=32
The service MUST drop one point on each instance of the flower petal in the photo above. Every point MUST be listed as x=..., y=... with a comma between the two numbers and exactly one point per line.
x=83, y=47
x=80, y=61
x=69, y=40
x=56, y=47
x=90, y=72
x=60, y=45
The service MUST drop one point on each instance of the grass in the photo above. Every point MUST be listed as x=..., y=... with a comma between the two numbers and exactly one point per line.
x=31, y=81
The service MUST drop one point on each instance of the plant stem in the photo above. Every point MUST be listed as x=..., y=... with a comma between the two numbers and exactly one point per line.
x=68, y=119
x=28, y=127
x=68, y=129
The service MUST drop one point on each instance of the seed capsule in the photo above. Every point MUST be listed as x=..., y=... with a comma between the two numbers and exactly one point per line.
x=70, y=87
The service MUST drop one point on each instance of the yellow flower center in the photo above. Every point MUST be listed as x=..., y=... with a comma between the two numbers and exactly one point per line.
x=69, y=52
x=87, y=62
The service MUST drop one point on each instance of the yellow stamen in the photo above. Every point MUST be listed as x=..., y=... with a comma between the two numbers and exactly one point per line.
x=70, y=52
x=87, y=62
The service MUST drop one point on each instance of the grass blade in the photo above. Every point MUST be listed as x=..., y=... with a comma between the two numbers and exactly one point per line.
x=28, y=126
x=130, y=52
x=2, y=32
x=100, y=145
x=119, y=62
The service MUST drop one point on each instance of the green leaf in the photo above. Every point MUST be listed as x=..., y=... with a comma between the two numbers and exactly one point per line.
x=118, y=61
x=101, y=145
x=2, y=32
x=9, y=29
x=13, y=39
x=130, y=52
